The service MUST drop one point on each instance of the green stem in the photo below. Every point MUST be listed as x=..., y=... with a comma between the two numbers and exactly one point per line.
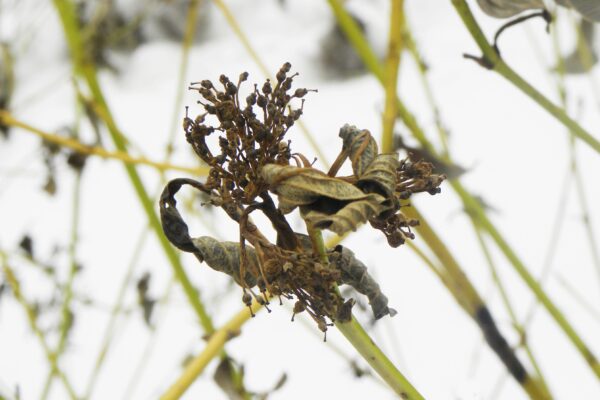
x=115, y=312
x=556, y=314
x=31, y=316
x=363, y=343
x=67, y=318
x=367, y=348
x=392, y=66
x=433, y=241
x=509, y=308
x=496, y=63
x=86, y=69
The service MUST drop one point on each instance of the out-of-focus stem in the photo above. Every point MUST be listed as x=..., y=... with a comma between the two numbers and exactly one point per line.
x=7, y=119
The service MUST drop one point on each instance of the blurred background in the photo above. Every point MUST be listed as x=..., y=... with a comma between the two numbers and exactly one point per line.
x=101, y=292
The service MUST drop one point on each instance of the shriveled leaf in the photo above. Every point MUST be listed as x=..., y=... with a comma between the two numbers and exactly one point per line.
x=451, y=170
x=361, y=147
x=224, y=379
x=355, y=274
x=380, y=176
x=278, y=385
x=589, y=9
x=577, y=62
x=146, y=302
x=225, y=257
x=296, y=187
x=174, y=227
x=349, y=217
x=506, y=9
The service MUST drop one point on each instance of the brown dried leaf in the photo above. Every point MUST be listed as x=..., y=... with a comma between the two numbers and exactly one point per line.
x=380, y=176
x=223, y=377
x=355, y=274
x=361, y=147
x=225, y=257
x=347, y=218
x=308, y=187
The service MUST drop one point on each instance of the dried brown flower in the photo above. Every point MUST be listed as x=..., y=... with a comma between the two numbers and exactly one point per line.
x=254, y=162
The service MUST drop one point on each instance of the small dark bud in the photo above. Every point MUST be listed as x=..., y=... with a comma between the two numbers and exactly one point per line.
x=200, y=119
x=247, y=299
x=395, y=239
x=243, y=76
x=261, y=101
x=220, y=159
x=231, y=89
x=266, y=89
x=251, y=99
x=206, y=84
x=300, y=93
x=280, y=76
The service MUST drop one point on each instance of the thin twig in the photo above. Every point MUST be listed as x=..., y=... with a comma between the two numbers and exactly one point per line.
x=81, y=148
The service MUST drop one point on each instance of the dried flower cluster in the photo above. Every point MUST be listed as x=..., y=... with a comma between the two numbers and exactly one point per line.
x=254, y=163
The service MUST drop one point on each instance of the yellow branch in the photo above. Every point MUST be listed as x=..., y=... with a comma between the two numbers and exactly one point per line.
x=7, y=119
x=392, y=65
x=215, y=344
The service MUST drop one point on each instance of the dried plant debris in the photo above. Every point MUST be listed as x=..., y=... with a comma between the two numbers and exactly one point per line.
x=585, y=54
x=7, y=82
x=253, y=162
x=229, y=376
x=338, y=57
x=145, y=301
x=449, y=169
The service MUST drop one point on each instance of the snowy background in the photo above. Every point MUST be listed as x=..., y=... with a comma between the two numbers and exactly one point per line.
x=517, y=159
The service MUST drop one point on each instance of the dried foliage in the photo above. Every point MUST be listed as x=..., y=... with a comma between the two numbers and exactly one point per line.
x=254, y=163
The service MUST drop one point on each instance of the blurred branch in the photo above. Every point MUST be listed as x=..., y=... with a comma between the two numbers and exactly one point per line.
x=7, y=119
x=86, y=69
x=392, y=65
x=469, y=202
x=67, y=317
x=31, y=316
x=214, y=346
x=492, y=60
x=371, y=353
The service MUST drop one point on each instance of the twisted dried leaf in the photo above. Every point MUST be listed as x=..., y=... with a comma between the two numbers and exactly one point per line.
x=296, y=187
x=380, y=176
x=355, y=274
x=225, y=257
x=361, y=148
x=349, y=217
x=324, y=201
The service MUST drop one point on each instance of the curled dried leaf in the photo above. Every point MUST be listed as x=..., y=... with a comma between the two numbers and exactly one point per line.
x=380, y=177
x=348, y=218
x=225, y=257
x=355, y=274
x=361, y=148
x=296, y=187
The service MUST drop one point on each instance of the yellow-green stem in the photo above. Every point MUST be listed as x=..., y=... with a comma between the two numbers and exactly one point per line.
x=431, y=238
x=556, y=314
x=31, y=316
x=392, y=65
x=497, y=64
x=214, y=346
x=366, y=347
x=73, y=144
x=86, y=70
